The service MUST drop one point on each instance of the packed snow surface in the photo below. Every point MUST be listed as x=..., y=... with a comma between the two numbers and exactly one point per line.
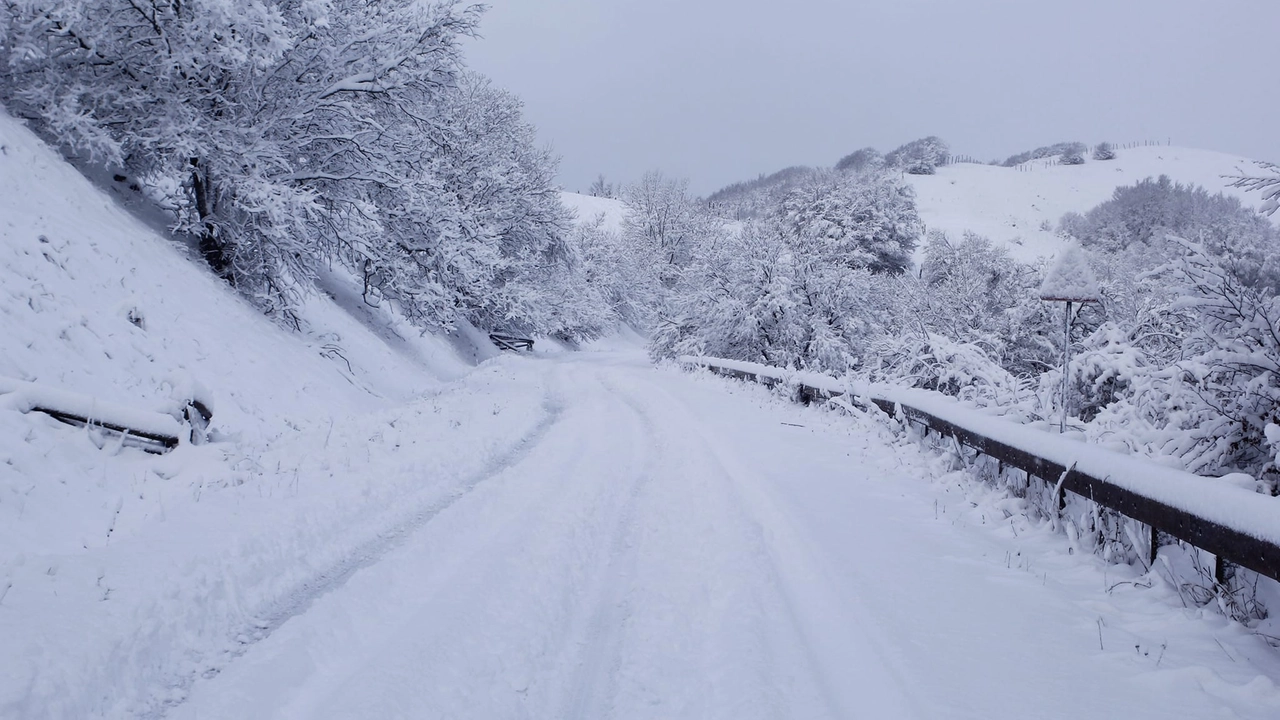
x=680, y=546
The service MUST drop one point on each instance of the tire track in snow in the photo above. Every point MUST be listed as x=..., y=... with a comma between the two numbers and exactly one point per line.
x=790, y=594
x=590, y=691
x=364, y=555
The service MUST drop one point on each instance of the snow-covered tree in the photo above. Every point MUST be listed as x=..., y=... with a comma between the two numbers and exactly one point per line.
x=600, y=188
x=666, y=223
x=1267, y=184
x=866, y=159
x=273, y=117
x=861, y=222
x=919, y=157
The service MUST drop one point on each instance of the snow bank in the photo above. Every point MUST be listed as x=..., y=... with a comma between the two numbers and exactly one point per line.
x=1224, y=503
x=125, y=575
x=25, y=397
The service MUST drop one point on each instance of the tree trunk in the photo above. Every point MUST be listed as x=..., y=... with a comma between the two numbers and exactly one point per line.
x=211, y=247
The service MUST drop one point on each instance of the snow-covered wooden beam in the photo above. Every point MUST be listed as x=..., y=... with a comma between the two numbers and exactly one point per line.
x=151, y=431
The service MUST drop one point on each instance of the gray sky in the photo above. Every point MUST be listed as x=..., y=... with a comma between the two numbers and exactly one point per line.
x=722, y=90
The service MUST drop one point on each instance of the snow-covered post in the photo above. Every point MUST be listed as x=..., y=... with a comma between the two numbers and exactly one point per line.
x=1069, y=280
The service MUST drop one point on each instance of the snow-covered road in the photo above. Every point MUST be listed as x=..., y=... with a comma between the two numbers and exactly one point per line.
x=677, y=546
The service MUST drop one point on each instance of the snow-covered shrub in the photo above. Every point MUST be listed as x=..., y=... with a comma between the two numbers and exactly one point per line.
x=1062, y=148
x=1151, y=209
x=1104, y=151
x=934, y=362
x=919, y=157
x=858, y=221
x=863, y=160
x=1072, y=158
x=973, y=291
x=759, y=197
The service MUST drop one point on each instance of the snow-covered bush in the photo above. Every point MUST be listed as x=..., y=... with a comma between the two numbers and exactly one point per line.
x=1104, y=151
x=863, y=160
x=759, y=197
x=934, y=362
x=1057, y=149
x=858, y=221
x=919, y=157
x=1072, y=158
x=1150, y=209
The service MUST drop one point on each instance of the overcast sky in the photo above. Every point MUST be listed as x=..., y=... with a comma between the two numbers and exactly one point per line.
x=723, y=90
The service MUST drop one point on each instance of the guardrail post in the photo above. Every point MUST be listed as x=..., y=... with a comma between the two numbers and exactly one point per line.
x=1155, y=546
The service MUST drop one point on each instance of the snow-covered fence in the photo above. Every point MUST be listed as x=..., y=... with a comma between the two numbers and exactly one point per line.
x=153, y=432
x=1234, y=524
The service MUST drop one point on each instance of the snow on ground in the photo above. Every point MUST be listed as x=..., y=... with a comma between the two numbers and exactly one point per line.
x=684, y=546
x=123, y=576
x=587, y=207
x=1011, y=205
x=381, y=529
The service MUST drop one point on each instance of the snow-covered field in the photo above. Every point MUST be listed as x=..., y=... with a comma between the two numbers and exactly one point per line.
x=389, y=524
x=586, y=208
x=1011, y=205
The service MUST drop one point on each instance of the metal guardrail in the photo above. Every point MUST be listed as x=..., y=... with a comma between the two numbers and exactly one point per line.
x=1227, y=544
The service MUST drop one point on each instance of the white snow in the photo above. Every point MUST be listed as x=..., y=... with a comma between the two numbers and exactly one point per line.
x=1010, y=206
x=587, y=208
x=124, y=576
x=388, y=524
x=1225, y=503
x=25, y=397
x=1070, y=278
x=681, y=546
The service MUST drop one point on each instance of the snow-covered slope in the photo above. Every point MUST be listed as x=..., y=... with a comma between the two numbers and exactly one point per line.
x=1012, y=205
x=587, y=207
x=125, y=575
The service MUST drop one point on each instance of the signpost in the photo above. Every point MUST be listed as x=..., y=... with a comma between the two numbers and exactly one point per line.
x=1069, y=280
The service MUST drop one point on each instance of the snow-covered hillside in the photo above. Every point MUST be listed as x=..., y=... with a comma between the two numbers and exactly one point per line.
x=123, y=573
x=586, y=208
x=1012, y=205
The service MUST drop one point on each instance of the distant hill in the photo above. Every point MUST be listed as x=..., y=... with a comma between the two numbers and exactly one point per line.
x=1020, y=206
x=587, y=207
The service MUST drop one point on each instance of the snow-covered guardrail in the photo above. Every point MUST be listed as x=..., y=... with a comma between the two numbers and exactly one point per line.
x=154, y=432
x=1234, y=524
x=514, y=343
